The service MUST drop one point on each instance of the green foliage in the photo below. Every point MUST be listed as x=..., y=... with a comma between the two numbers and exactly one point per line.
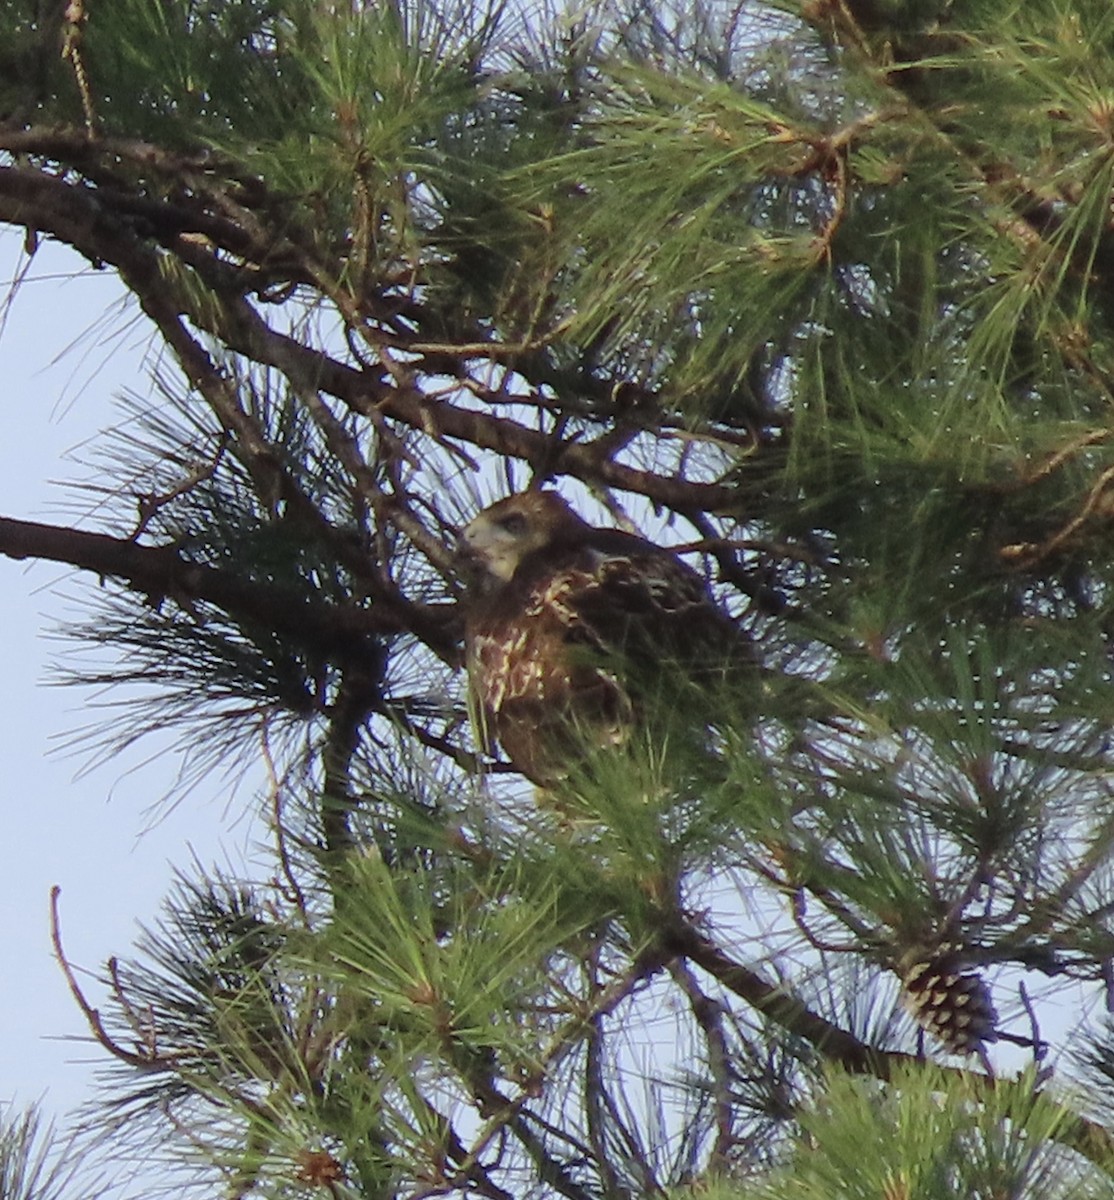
x=450, y=958
x=923, y=1138
x=820, y=291
x=36, y=1163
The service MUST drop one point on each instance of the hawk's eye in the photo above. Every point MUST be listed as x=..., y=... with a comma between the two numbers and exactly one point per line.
x=514, y=523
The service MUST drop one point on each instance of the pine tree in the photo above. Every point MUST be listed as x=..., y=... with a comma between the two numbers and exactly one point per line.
x=816, y=292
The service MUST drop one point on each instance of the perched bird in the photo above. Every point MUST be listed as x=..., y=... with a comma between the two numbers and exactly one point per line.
x=570, y=631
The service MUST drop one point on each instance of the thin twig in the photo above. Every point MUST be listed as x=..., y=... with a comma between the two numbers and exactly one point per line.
x=149, y=505
x=708, y=1014
x=92, y=1017
x=293, y=889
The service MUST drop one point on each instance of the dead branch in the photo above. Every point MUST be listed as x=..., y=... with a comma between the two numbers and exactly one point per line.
x=148, y=1059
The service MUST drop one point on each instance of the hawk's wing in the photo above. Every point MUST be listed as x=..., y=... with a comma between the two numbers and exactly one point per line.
x=556, y=657
x=633, y=598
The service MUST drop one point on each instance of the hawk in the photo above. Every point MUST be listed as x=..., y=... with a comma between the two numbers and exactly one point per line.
x=569, y=628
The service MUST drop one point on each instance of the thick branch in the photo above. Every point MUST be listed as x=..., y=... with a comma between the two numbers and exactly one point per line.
x=85, y=218
x=782, y=1007
x=162, y=572
x=837, y=1046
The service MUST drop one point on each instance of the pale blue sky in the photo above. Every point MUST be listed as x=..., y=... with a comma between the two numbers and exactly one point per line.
x=67, y=346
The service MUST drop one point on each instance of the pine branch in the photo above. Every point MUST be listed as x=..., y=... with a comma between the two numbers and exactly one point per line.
x=708, y=1014
x=163, y=572
x=781, y=1006
x=1036, y=217
x=104, y=233
x=1090, y=1139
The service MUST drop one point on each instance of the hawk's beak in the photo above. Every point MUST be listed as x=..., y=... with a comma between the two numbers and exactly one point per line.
x=462, y=546
x=466, y=561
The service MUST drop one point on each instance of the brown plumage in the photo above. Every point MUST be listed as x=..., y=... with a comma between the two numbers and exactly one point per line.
x=568, y=627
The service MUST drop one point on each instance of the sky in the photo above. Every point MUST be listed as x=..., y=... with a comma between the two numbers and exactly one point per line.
x=68, y=344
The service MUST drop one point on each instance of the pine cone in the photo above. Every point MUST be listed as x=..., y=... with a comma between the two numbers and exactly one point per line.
x=953, y=1006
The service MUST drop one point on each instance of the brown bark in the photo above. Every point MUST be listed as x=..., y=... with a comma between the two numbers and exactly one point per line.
x=163, y=573
x=108, y=225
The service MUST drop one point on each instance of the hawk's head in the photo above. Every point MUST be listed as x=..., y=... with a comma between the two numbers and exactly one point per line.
x=492, y=545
